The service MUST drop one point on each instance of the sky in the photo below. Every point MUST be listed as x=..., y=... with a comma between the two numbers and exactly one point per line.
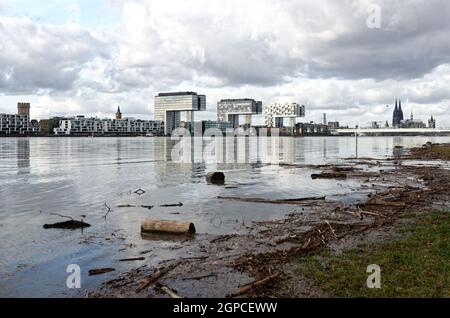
x=349, y=59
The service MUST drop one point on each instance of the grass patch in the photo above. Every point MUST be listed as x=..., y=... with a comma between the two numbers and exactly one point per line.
x=416, y=266
x=441, y=150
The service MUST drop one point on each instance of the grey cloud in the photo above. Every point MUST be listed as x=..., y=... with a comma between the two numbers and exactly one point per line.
x=36, y=58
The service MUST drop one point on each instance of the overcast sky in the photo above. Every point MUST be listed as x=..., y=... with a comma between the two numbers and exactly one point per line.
x=86, y=57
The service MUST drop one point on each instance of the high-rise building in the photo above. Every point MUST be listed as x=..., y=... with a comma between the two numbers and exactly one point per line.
x=324, y=119
x=230, y=110
x=276, y=113
x=23, y=109
x=168, y=108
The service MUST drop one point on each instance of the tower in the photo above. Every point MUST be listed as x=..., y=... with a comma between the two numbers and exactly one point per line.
x=400, y=111
x=118, y=113
x=395, y=121
x=23, y=109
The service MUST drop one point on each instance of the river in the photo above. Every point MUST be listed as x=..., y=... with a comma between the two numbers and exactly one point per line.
x=82, y=177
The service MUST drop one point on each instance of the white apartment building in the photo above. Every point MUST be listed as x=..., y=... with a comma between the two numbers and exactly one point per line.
x=83, y=125
x=13, y=124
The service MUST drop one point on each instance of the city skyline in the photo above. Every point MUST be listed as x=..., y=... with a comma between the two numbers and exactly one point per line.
x=64, y=63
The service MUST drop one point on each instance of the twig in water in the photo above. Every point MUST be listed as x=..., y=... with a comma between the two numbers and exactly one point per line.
x=109, y=210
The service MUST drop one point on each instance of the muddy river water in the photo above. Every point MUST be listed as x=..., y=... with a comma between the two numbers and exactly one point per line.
x=91, y=177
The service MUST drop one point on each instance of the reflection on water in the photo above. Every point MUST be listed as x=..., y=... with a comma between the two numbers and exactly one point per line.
x=23, y=155
x=77, y=176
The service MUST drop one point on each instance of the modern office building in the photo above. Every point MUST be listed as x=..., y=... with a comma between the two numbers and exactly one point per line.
x=324, y=119
x=333, y=124
x=169, y=106
x=230, y=110
x=276, y=113
x=312, y=129
x=81, y=125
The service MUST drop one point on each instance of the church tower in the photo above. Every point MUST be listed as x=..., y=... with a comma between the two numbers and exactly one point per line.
x=400, y=111
x=118, y=113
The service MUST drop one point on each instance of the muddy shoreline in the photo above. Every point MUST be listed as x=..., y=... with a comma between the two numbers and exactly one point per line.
x=256, y=264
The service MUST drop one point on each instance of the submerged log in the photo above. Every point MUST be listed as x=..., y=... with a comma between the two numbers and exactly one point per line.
x=169, y=227
x=215, y=178
x=100, y=271
x=67, y=225
x=329, y=175
x=270, y=201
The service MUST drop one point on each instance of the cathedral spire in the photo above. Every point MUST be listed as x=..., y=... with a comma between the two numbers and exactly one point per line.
x=118, y=113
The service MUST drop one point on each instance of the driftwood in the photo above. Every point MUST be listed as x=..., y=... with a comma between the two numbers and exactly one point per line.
x=171, y=205
x=245, y=289
x=385, y=203
x=132, y=259
x=200, y=277
x=168, y=291
x=100, y=271
x=169, y=227
x=136, y=206
x=67, y=225
x=269, y=201
x=215, y=178
x=157, y=275
x=329, y=175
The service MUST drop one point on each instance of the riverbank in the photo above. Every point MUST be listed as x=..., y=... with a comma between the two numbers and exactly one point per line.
x=263, y=262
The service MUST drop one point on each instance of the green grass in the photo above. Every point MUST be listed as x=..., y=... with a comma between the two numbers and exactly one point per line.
x=441, y=150
x=417, y=265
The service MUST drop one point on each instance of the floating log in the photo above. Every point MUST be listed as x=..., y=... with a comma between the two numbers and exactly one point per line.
x=100, y=271
x=245, y=289
x=215, y=178
x=269, y=201
x=157, y=275
x=329, y=175
x=179, y=204
x=67, y=225
x=169, y=227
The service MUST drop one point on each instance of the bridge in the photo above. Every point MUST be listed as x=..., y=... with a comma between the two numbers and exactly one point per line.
x=362, y=131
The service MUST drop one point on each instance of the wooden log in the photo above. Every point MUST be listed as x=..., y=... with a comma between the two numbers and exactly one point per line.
x=386, y=203
x=269, y=201
x=169, y=227
x=215, y=178
x=245, y=289
x=100, y=271
x=132, y=259
x=67, y=225
x=157, y=275
x=329, y=175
